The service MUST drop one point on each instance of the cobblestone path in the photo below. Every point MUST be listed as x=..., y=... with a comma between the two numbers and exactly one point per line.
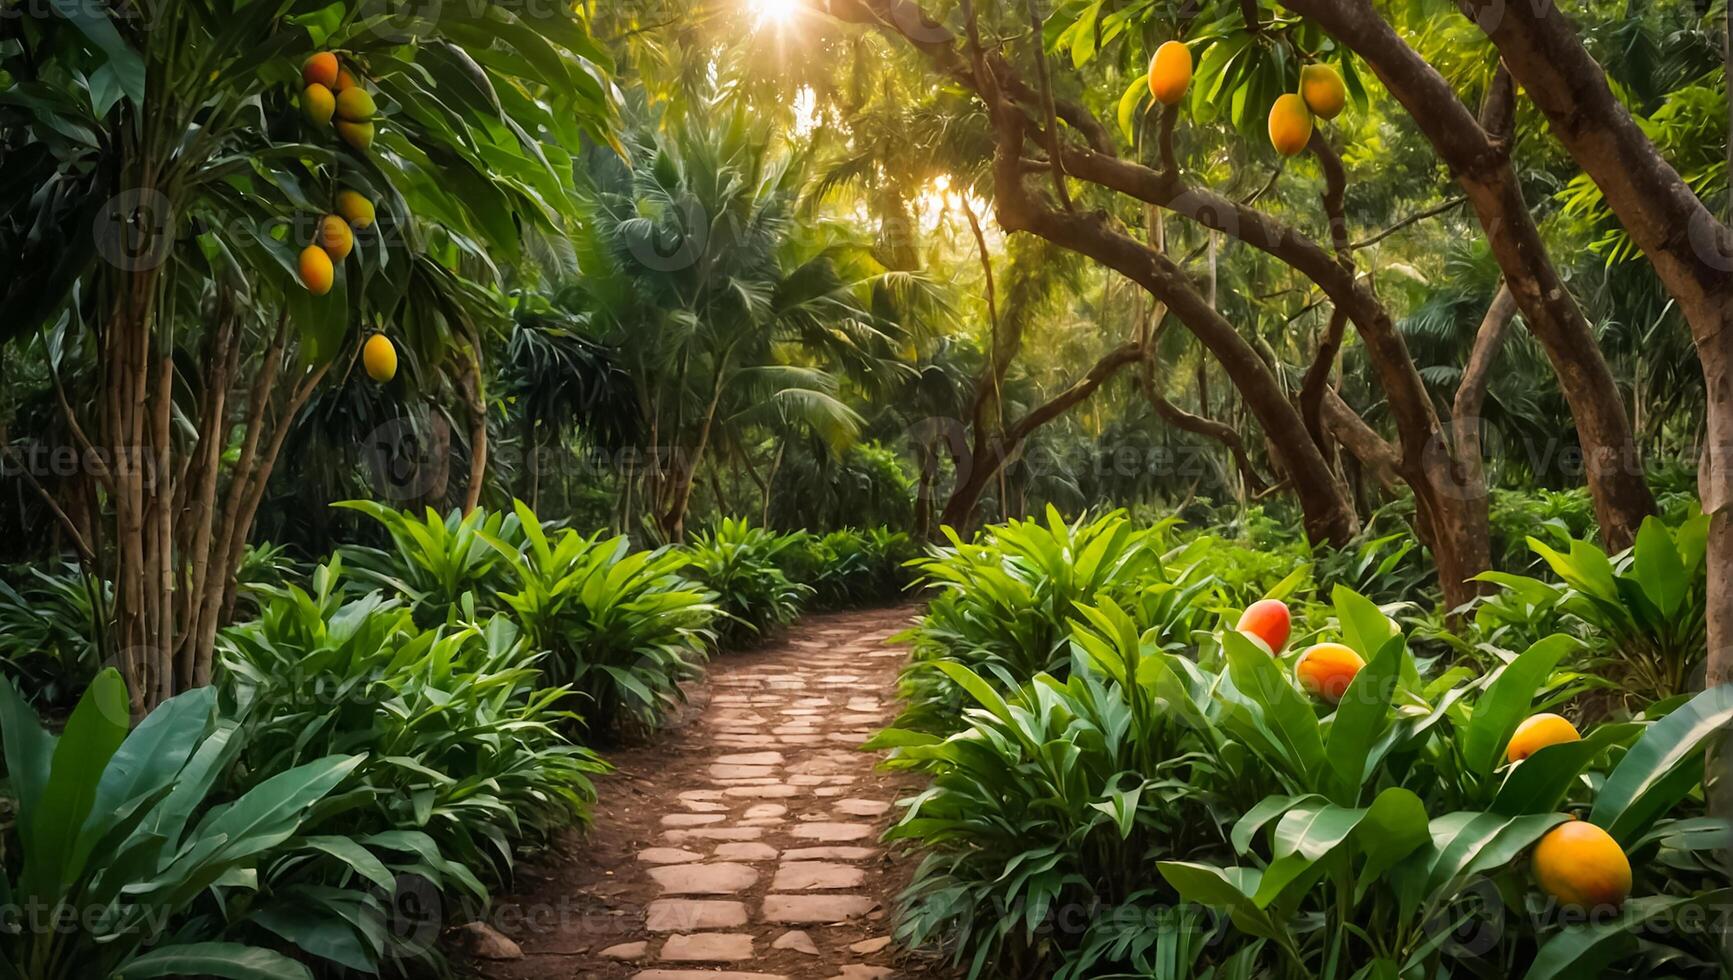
x=744, y=845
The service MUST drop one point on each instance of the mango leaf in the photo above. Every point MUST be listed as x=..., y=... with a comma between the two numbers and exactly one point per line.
x=1585, y=568
x=1539, y=783
x=1225, y=889
x=1664, y=766
x=1394, y=827
x=1507, y=700
x=1365, y=628
x=1290, y=719
x=1361, y=719
x=1266, y=810
x=1129, y=104
x=1659, y=569
x=231, y=960
x=1302, y=837
x=1588, y=950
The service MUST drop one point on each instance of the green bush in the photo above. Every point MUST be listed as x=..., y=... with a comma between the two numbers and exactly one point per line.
x=52, y=629
x=125, y=831
x=462, y=744
x=434, y=561
x=1005, y=604
x=1516, y=514
x=1644, y=612
x=1338, y=841
x=623, y=628
x=739, y=564
x=852, y=568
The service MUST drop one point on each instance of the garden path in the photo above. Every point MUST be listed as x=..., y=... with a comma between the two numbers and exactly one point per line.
x=744, y=845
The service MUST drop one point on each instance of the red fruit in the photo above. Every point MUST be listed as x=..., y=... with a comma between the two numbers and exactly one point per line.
x=1269, y=621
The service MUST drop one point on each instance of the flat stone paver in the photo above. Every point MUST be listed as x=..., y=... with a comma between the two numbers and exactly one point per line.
x=708, y=947
x=689, y=915
x=793, y=876
x=834, y=832
x=753, y=827
x=816, y=908
x=704, y=879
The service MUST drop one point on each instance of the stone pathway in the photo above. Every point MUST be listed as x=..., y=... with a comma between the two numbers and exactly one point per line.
x=745, y=845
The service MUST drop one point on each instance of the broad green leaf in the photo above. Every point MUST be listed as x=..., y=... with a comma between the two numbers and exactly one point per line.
x=1302, y=837
x=96, y=730
x=1658, y=567
x=1258, y=676
x=1587, y=950
x=1507, y=700
x=1539, y=783
x=1267, y=809
x=1361, y=719
x=1129, y=104
x=230, y=960
x=1228, y=889
x=1394, y=827
x=1664, y=765
x=1365, y=628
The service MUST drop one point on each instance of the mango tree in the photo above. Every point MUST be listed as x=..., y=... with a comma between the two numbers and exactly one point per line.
x=165, y=210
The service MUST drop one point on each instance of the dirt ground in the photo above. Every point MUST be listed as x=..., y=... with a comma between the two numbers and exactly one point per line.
x=743, y=844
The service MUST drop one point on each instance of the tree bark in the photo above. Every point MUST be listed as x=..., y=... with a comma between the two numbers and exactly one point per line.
x=960, y=508
x=1465, y=420
x=477, y=406
x=1478, y=153
x=1200, y=425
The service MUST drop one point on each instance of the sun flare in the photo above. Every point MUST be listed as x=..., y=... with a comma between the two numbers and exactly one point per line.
x=774, y=13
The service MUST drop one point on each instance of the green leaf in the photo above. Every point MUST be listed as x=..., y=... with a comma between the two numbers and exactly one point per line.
x=1225, y=889
x=1507, y=700
x=1660, y=570
x=1664, y=766
x=1394, y=827
x=1256, y=675
x=1539, y=783
x=96, y=730
x=1585, y=568
x=1587, y=950
x=29, y=758
x=1361, y=719
x=1302, y=837
x=1365, y=628
x=1267, y=809
x=1129, y=104
x=92, y=21
x=231, y=960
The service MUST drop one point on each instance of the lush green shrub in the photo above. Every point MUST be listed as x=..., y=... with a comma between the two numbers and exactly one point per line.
x=1005, y=604
x=621, y=627
x=1384, y=559
x=740, y=565
x=434, y=561
x=1053, y=798
x=867, y=484
x=52, y=625
x=851, y=568
x=126, y=832
x=1516, y=515
x=462, y=743
x=1393, y=821
x=1644, y=612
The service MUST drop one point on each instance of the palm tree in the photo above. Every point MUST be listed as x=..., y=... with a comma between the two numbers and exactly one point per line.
x=727, y=310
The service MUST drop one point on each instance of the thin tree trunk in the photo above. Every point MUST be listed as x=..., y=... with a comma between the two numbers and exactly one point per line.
x=1465, y=420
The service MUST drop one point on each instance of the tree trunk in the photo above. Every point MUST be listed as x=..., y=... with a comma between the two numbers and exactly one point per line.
x=1465, y=420
x=1478, y=153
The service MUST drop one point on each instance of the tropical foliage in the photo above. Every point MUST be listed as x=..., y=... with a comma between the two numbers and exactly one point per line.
x=1383, y=834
